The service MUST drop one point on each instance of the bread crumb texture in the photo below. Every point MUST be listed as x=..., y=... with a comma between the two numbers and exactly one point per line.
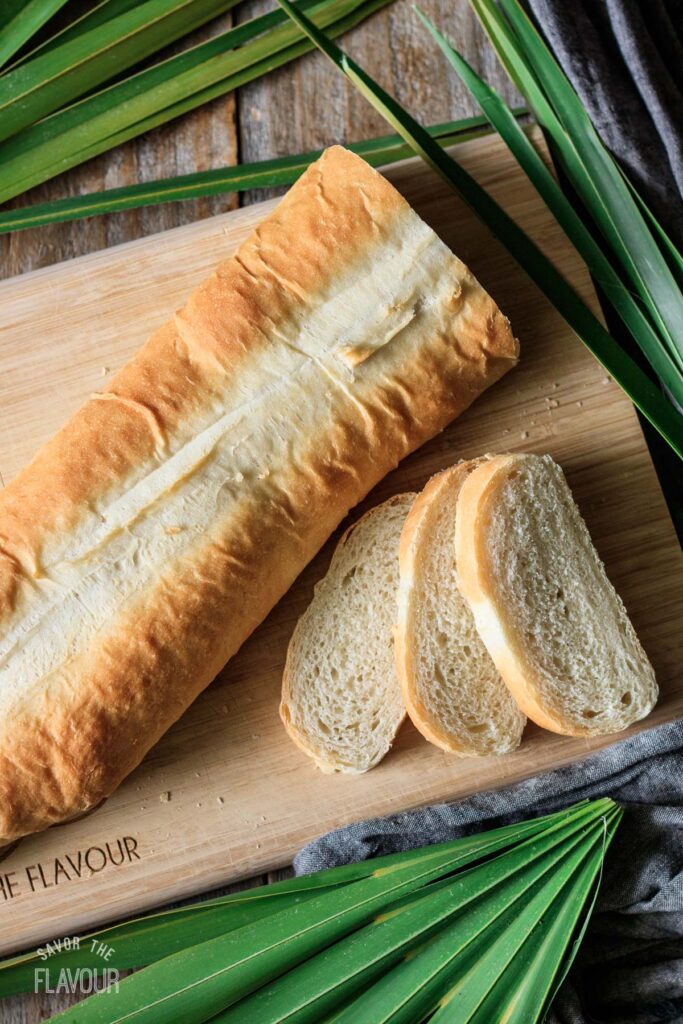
x=342, y=702
x=554, y=617
x=454, y=693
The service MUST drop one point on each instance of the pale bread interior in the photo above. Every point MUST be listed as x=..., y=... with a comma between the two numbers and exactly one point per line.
x=453, y=691
x=342, y=701
x=552, y=620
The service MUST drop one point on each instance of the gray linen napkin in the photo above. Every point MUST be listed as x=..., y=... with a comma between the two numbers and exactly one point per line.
x=630, y=966
x=625, y=60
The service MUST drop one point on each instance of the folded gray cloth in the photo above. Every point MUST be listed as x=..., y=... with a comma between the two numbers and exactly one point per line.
x=625, y=60
x=630, y=966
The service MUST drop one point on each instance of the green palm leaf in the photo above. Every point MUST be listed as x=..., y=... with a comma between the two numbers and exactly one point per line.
x=264, y=174
x=455, y=974
x=199, y=982
x=599, y=265
x=540, y=931
x=526, y=989
x=164, y=91
x=144, y=940
x=20, y=20
x=591, y=169
x=140, y=942
x=583, y=322
x=77, y=65
x=312, y=991
x=671, y=251
x=97, y=15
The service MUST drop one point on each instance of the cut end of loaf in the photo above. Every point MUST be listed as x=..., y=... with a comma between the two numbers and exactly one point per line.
x=551, y=620
x=341, y=700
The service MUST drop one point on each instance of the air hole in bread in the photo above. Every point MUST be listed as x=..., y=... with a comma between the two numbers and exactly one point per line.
x=589, y=713
x=626, y=699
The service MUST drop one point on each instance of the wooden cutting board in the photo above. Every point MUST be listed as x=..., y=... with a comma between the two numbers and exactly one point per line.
x=225, y=794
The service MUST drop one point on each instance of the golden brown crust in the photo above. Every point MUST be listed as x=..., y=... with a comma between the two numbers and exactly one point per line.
x=69, y=735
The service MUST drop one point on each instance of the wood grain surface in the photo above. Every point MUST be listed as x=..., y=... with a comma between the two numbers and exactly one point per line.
x=299, y=107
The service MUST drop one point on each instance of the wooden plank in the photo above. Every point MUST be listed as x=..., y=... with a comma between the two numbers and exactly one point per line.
x=310, y=104
x=205, y=138
x=241, y=798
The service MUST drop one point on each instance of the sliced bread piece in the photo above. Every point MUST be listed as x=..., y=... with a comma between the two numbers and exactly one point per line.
x=452, y=690
x=553, y=623
x=341, y=700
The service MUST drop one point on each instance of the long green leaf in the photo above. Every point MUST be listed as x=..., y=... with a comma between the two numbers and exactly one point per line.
x=138, y=943
x=599, y=265
x=490, y=903
x=504, y=981
x=264, y=174
x=596, y=178
x=583, y=322
x=511, y=56
x=328, y=981
x=195, y=984
x=19, y=20
x=97, y=15
x=670, y=249
x=558, y=942
x=141, y=941
x=163, y=92
x=51, y=80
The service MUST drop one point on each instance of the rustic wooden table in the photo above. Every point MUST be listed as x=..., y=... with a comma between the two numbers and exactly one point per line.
x=302, y=106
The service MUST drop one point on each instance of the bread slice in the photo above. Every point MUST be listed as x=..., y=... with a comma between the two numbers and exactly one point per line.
x=452, y=690
x=553, y=623
x=341, y=700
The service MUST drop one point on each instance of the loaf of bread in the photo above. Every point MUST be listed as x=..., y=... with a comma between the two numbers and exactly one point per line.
x=452, y=690
x=146, y=541
x=550, y=618
x=341, y=698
